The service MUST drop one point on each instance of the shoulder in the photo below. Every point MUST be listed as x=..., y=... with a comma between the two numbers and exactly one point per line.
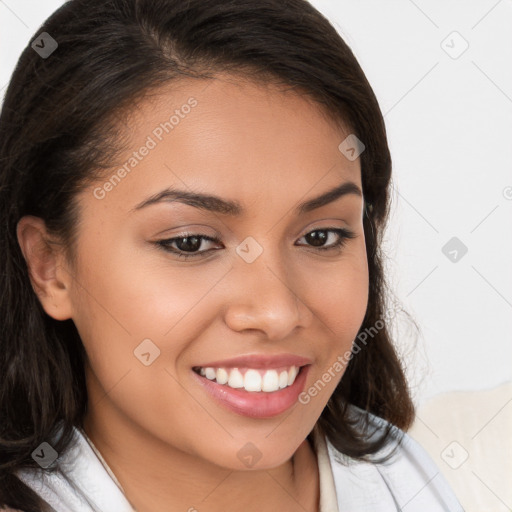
x=78, y=482
x=408, y=480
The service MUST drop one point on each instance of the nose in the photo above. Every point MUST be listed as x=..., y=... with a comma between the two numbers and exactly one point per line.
x=262, y=297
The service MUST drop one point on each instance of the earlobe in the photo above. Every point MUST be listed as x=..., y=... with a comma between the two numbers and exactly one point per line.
x=45, y=262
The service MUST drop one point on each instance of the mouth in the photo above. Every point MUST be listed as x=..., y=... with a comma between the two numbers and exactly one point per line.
x=251, y=379
x=253, y=392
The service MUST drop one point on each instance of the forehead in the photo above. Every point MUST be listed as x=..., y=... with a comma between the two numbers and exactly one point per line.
x=233, y=138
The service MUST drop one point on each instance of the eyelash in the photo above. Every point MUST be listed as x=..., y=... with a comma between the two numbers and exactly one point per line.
x=343, y=234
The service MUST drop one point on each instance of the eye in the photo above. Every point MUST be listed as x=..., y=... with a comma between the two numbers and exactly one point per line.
x=187, y=245
x=319, y=236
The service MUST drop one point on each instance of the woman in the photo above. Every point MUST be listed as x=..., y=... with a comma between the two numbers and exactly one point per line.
x=193, y=297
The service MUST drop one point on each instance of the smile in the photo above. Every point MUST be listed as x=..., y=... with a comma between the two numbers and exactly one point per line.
x=253, y=402
x=267, y=381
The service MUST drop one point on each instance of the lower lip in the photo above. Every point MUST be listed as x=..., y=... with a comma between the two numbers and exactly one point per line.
x=256, y=404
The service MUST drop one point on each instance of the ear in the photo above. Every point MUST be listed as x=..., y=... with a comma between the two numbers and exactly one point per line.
x=47, y=267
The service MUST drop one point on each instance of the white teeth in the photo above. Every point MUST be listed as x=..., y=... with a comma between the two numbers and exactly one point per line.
x=292, y=374
x=270, y=381
x=209, y=373
x=222, y=376
x=236, y=379
x=253, y=380
x=283, y=379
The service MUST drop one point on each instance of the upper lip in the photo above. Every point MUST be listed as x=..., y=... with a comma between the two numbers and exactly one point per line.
x=259, y=361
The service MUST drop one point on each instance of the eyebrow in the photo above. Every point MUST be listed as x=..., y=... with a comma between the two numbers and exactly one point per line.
x=234, y=208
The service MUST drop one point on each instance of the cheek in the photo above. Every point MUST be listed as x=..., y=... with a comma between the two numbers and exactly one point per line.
x=125, y=297
x=339, y=299
x=142, y=293
x=338, y=296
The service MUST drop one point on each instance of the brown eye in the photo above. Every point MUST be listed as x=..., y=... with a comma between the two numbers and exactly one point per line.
x=318, y=237
x=187, y=245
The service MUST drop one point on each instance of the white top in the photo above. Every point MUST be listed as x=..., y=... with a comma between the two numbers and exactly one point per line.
x=410, y=482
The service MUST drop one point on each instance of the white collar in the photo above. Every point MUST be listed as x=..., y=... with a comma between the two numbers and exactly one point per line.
x=83, y=485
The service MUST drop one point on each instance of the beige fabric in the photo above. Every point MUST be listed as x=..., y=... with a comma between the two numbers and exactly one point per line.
x=328, y=498
x=468, y=434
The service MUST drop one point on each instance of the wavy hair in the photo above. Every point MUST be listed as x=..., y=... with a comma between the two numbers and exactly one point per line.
x=60, y=126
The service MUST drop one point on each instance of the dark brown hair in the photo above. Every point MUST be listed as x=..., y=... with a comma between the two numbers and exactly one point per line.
x=60, y=126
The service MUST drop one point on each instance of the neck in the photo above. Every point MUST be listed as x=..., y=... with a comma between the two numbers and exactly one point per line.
x=190, y=483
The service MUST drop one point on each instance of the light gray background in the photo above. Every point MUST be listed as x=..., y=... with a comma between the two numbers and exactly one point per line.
x=449, y=123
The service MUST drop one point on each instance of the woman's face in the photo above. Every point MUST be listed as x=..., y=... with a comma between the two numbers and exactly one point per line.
x=265, y=287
